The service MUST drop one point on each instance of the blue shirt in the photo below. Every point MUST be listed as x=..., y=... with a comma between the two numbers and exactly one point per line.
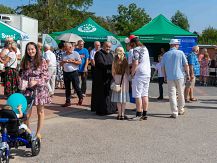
x=174, y=61
x=193, y=60
x=84, y=54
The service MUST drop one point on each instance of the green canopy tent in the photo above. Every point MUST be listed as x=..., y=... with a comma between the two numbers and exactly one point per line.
x=9, y=31
x=89, y=30
x=160, y=30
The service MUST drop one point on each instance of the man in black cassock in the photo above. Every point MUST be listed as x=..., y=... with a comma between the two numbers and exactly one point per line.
x=101, y=92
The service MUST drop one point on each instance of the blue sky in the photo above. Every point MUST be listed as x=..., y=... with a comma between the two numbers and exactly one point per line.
x=200, y=13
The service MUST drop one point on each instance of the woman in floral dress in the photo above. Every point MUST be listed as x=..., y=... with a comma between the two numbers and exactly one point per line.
x=11, y=73
x=35, y=71
x=204, y=68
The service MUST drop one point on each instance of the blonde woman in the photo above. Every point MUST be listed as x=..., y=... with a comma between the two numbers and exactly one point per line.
x=119, y=69
x=204, y=68
x=11, y=73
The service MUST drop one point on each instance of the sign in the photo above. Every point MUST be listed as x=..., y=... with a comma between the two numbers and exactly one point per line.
x=186, y=43
x=87, y=28
x=4, y=36
x=47, y=39
x=115, y=43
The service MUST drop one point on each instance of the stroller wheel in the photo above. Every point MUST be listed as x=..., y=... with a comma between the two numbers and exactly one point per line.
x=36, y=145
x=4, y=157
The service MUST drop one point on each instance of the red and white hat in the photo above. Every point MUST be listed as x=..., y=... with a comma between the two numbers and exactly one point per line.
x=127, y=40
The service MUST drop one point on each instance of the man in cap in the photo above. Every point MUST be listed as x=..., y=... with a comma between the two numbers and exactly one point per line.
x=173, y=63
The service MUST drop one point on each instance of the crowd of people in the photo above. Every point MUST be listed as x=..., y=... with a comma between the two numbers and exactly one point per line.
x=115, y=75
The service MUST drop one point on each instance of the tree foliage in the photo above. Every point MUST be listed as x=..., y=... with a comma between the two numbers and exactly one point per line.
x=129, y=19
x=6, y=10
x=181, y=20
x=55, y=15
x=209, y=36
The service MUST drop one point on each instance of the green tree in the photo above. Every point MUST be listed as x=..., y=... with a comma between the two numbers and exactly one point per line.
x=209, y=36
x=56, y=15
x=129, y=19
x=6, y=10
x=181, y=20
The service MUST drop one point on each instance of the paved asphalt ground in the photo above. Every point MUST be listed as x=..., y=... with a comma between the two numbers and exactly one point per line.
x=76, y=135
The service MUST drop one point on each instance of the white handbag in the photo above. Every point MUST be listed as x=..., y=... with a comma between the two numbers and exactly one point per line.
x=2, y=67
x=117, y=87
x=23, y=85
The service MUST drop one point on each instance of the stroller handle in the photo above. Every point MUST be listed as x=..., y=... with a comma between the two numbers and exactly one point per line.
x=30, y=89
x=5, y=120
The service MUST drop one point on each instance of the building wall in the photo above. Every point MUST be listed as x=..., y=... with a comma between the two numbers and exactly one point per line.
x=211, y=50
x=25, y=24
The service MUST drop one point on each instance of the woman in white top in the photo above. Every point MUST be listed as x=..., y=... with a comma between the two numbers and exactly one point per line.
x=11, y=73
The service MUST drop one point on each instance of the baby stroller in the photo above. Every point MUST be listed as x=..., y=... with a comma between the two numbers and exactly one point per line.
x=12, y=136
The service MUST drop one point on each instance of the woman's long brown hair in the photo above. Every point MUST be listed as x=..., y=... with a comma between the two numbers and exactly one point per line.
x=120, y=66
x=27, y=59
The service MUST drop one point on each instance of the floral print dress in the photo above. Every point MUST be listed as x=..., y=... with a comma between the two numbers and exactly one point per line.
x=41, y=76
x=59, y=76
x=11, y=79
x=204, y=67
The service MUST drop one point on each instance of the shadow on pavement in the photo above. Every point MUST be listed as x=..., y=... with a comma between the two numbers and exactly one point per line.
x=83, y=113
x=160, y=115
x=201, y=107
x=20, y=153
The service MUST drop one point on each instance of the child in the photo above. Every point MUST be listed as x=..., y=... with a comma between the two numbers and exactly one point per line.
x=158, y=70
x=120, y=74
x=20, y=115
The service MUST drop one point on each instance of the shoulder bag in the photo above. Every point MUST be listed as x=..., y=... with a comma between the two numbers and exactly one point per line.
x=117, y=87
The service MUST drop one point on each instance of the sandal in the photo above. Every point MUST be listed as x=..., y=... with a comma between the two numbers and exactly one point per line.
x=118, y=117
x=187, y=101
x=193, y=99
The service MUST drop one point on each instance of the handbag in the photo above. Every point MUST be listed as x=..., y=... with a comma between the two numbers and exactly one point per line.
x=2, y=67
x=23, y=84
x=117, y=87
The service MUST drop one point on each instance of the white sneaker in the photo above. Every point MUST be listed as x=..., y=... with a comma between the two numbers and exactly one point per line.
x=137, y=118
x=181, y=112
x=173, y=116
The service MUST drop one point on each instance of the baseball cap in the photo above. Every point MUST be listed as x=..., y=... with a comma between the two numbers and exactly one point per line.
x=174, y=42
x=128, y=39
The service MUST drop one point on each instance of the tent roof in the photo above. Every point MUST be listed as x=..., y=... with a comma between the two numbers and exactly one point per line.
x=9, y=31
x=89, y=30
x=162, y=26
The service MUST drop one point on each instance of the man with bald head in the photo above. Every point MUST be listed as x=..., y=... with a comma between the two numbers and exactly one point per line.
x=50, y=58
x=97, y=47
x=101, y=92
x=194, y=70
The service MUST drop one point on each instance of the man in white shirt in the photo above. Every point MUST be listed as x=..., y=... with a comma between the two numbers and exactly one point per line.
x=70, y=62
x=97, y=47
x=50, y=57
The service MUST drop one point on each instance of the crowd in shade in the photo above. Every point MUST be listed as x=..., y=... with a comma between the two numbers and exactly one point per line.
x=117, y=76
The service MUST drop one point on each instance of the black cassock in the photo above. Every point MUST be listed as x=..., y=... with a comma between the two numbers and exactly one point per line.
x=101, y=92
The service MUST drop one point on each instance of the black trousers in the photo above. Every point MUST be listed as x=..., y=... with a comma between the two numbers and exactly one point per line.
x=74, y=78
x=83, y=82
x=160, y=83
